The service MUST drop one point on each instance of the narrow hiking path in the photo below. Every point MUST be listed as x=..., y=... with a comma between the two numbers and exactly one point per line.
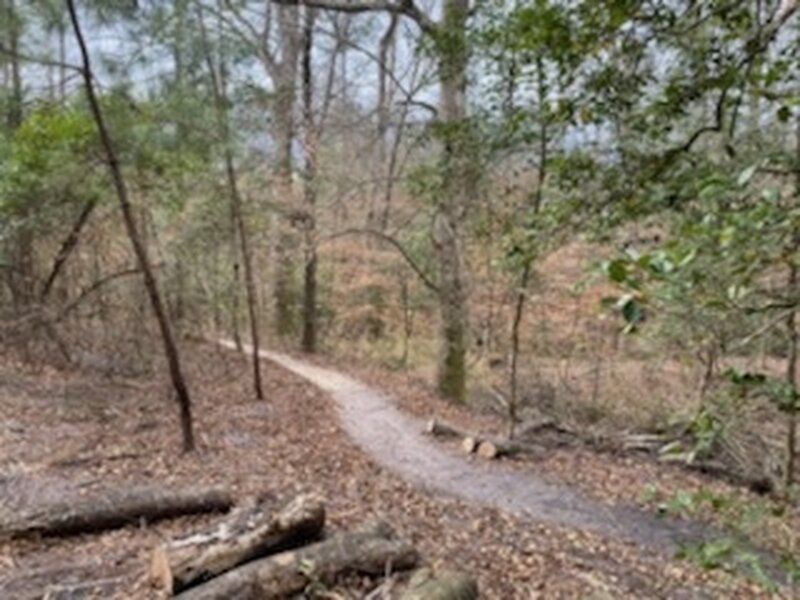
x=69, y=434
x=396, y=441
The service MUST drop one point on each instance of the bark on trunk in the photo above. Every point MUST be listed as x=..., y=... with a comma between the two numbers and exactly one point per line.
x=385, y=51
x=248, y=534
x=369, y=551
x=282, y=69
x=114, y=509
x=140, y=250
x=310, y=146
x=791, y=367
x=458, y=179
x=448, y=585
x=14, y=114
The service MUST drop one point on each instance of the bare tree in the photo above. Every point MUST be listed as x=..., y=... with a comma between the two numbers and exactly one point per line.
x=140, y=250
x=452, y=58
x=219, y=91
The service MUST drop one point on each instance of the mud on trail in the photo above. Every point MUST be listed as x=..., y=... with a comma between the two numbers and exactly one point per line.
x=70, y=433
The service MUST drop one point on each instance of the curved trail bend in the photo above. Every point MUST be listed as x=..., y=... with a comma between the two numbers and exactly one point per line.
x=396, y=441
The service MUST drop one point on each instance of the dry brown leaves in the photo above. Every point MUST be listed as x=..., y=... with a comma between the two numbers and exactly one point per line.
x=71, y=433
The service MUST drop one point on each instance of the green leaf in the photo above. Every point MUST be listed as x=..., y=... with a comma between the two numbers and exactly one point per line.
x=746, y=175
x=617, y=270
x=632, y=312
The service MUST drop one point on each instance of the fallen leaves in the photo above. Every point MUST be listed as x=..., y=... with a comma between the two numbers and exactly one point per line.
x=291, y=444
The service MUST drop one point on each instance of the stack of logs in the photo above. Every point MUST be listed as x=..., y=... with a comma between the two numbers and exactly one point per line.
x=253, y=552
x=484, y=446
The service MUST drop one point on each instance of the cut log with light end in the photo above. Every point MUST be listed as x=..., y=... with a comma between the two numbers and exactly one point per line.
x=488, y=450
x=246, y=535
x=491, y=449
x=469, y=444
x=447, y=585
x=369, y=551
x=438, y=428
x=112, y=509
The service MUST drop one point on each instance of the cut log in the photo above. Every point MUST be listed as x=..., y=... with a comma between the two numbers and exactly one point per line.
x=247, y=534
x=535, y=429
x=643, y=442
x=470, y=444
x=439, y=428
x=491, y=449
x=369, y=551
x=112, y=509
x=448, y=585
x=103, y=588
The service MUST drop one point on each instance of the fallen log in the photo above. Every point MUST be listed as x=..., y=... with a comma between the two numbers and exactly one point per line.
x=249, y=533
x=447, y=585
x=555, y=433
x=438, y=428
x=491, y=449
x=369, y=551
x=758, y=484
x=643, y=442
x=103, y=588
x=469, y=444
x=113, y=509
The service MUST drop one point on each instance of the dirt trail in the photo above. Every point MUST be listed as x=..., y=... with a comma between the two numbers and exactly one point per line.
x=397, y=442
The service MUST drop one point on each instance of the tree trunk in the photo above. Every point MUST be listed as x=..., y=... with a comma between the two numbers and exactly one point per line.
x=519, y=308
x=448, y=585
x=283, y=72
x=248, y=534
x=237, y=338
x=369, y=551
x=310, y=149
x=791, y=367
x=522, y=292
x=62, y=58
x=13, y=23
x=383, y=110
x=22, y=279
x=459, y=177
x=218, y=85
x=113, y=509
x=151, y=285
x=791, y=378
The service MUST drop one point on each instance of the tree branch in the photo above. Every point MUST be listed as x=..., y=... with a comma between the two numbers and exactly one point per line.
x=88, y=291
x=67, y=247
x=427, y=281
x=47, y=62
x=407, y=8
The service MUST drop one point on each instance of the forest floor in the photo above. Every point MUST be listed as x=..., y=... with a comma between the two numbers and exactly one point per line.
x=71, y=433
